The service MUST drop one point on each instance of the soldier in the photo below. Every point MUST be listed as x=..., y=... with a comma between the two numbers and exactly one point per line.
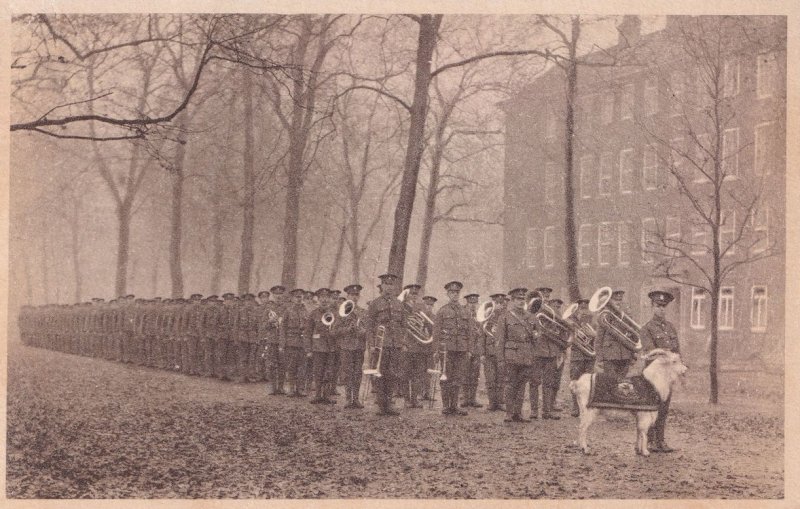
x=489, y=350
x=245, y=336
x=388, y=312
x=427, y=307
x=292, y=332
x=579, y=362
x=415, y=357
x=454, y=331
x=319, y=345
x=612, y=356
x=554, y=382
x=660, y=333
x=546, y=352
x=515, y=336
x=352, y=338
x=473, y=371
x=270, y=356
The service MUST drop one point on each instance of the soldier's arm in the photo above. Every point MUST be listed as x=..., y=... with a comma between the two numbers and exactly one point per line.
x=648, y=341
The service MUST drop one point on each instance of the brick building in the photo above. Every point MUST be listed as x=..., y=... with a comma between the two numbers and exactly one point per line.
x=635, y=122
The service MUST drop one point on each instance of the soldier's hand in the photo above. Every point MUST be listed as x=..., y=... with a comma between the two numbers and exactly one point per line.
x=308, y=354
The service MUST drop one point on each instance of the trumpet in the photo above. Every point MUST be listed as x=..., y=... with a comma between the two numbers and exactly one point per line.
x=583, y=333
x=380, y=336
x=624, y=328
x=555, y=329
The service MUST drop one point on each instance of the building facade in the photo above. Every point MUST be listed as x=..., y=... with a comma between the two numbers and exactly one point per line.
x=654, y=115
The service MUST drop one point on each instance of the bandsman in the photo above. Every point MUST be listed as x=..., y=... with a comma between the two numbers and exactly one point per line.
x=579, y=362
x=515, y=336
x=612, y=356
x=427, y=306
x=489, y=349
x=319, y=345
x=474, y=364
x=292, y=342
x=352, y=336
x=454, y=332
x=388, y=312
x=414, y=358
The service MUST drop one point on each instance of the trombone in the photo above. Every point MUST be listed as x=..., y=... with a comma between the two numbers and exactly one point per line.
x=624, y=328
x=438, y=374
x=380, y=336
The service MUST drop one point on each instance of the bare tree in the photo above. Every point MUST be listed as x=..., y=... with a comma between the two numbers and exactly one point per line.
x=698, y=144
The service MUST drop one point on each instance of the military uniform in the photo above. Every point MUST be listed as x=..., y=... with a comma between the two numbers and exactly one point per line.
x=269, y=335
x=321, y=344
x=579, y=362
x=490, y=351
x=454, y=332
x=473, y=368
x=515, y=336
x=388, y=312
x=292, y=343
x=612, y=357
x=660, y=333
x=352, y=338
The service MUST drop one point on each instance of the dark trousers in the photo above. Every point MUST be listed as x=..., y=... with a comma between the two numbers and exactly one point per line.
x=473, y=374
x=351, y=366
x=277, y=367
x=414, y=375
x=295, y=358
x=387, y=382
x=517, y=375
x=655, y=435
x=494, y=381
x=543, y=373
x=577, y=368
x=456, y=376
x=323, y=373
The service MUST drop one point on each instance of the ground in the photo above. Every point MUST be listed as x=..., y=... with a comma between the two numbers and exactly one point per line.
x=87, y=428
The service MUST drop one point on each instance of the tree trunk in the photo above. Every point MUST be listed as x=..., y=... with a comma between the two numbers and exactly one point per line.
x=154, y=277
x=429, y=220
x=428, y=30
x=123, y=247
x=216, y=241
x=317, y=257
x=76, y=250
x=249, y=199
x=337, y=259
x=569, y=190
x=176, y=219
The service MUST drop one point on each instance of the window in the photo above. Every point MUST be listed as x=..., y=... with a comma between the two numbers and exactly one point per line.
x=626, y=108
x=649, y=239
x=626, y=171
x=623, y=243
x=551, y=179
x=551, y=123
x=605, y=234
x=549, y=246
x=727, y=233
x=726, y=308
x=767, y=147
x=605, y=175
x=677, y=160
x=703, y=151
x=672, y=231
x=730, y=152
x=532, y=246
x=766, y=75
x=758, y=309
x=585, y=245
x=730, y=78
x=761, y=229
x=650, y=96
x=650, y=168
x=700, y=239
x=697, y=318
x=586, y=176
x=608, y=108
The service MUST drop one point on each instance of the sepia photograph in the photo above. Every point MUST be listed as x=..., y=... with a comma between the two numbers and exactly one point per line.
x=398, y=254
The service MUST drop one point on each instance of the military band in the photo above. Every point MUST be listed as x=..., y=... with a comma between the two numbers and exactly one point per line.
x=296, y=344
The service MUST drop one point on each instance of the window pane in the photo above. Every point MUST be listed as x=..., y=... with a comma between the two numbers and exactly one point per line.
x=766, y=75
x=650, y=96
x=605, y=174
x=730, y=152
x=604, y=241
x=626, y=170
x=586, y=244
x=532, y=246
x=626, y=108
x=649, y=171
x=623, y=243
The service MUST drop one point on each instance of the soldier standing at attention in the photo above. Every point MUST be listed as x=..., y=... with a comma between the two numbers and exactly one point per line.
x=612, y=357
x=415, y=357
x=473, y=372
x=660, y=333
x=491, y=356
x=291, y=333
x=388, y=312
x=579, y=362
x=427, y=307
x=454, y=332
x=352, y=337
x=515, y=336
x=319, y=346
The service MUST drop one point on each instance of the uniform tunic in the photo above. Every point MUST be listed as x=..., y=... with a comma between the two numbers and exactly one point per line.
x=660, y=333
x=515, y=336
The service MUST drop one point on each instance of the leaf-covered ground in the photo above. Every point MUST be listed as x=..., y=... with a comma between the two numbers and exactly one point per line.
x=86, y=428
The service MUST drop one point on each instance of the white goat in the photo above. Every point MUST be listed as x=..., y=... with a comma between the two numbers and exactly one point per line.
x=662, y=373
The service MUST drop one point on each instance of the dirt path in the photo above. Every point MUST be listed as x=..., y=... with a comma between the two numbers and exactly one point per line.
x=81, y=427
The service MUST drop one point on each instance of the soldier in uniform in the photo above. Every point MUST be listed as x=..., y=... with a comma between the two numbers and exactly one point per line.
x=579, y=362
x=269, y=335
x=546, y=352
x=660, y=333
x=491, y=356
x=319, y=345
x=515, y=335
x=554, y=383
x=473, y=372
x=291, y=332
x=351, y=336
x=454, y=332
x=388, y=312
x=415, y=357
x=427, y=307
x=612, y=357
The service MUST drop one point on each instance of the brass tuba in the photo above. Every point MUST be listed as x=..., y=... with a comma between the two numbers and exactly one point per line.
x=583, y=333
x=420, y=326
x=624, y=328
x=482, y=315
x=555, y=329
